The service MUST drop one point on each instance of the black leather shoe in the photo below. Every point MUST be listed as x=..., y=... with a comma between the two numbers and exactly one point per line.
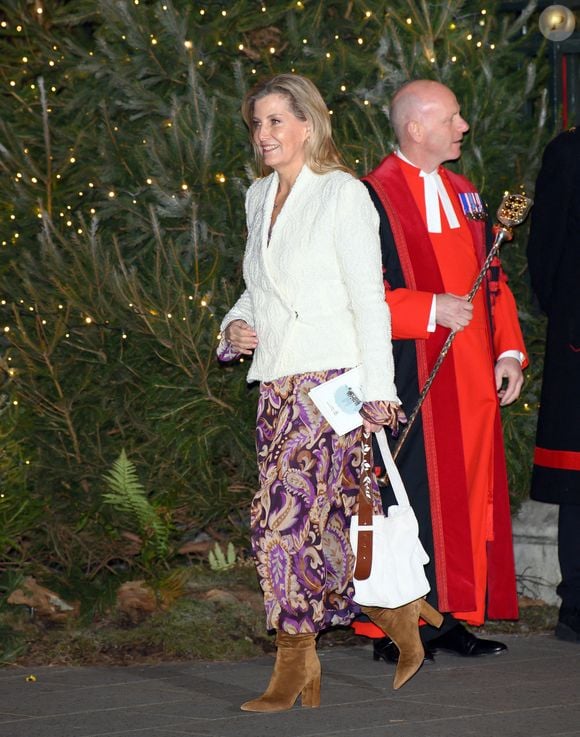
x=461, y=641
x=385, y=649
x=568, y=627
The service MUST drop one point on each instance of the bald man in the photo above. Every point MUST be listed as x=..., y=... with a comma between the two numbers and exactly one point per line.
x=434, y=242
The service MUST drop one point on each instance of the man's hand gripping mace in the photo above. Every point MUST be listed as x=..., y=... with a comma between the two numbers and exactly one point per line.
x=512, y=211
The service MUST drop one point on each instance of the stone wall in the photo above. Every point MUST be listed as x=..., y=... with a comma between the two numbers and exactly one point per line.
x=535, y=530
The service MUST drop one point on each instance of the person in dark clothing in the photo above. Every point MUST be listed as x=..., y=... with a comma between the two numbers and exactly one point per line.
x=554, y=267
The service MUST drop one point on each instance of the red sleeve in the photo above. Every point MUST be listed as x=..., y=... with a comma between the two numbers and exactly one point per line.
x=507, y=331
x=409, y=313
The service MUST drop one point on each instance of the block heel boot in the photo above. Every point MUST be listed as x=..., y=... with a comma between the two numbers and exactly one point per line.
x=402, y=626
x=296, y=671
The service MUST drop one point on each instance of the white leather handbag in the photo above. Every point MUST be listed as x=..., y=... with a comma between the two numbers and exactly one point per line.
x=396, y=575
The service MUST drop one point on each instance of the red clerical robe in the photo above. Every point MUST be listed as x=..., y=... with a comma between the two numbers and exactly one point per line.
x=459, y=439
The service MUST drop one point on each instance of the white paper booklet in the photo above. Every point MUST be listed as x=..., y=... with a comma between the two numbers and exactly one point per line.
x=339, y=400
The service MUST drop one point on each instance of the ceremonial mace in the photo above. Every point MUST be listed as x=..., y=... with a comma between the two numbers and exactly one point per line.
x=511, y=212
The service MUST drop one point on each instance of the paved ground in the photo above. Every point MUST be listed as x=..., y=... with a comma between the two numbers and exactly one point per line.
x=531, y=691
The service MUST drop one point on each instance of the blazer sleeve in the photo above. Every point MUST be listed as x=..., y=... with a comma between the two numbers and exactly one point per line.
x=242, y=310
x=356, y=235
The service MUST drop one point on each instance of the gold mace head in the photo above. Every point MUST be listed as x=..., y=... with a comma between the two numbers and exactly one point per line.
x=513, y=209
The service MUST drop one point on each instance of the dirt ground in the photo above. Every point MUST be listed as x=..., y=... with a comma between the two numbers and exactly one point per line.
x=211, y=623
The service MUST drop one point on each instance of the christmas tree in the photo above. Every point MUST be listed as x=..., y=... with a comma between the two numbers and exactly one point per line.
x=123, y=168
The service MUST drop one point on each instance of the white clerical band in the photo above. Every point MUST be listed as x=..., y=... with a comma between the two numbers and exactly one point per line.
x=435, y=192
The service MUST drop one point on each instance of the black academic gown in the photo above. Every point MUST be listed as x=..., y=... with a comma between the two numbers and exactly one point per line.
x=554, y=266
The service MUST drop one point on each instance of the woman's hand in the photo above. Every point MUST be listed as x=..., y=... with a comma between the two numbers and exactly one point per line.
x=369, y=427
x=241, y=337
x=380, y=413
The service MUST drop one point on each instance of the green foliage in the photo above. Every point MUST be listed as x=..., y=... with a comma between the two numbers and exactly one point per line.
x=11, y=644
x=191, y=629
x=218, y=561
x=123, y=168
x=127, y=495
x=17, y=514
x=189, y=623
x=12, y=641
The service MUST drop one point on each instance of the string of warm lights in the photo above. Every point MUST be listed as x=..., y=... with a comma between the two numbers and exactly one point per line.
x=32, y=311
x=220, y=177
x=85, y=195
x=208, y=14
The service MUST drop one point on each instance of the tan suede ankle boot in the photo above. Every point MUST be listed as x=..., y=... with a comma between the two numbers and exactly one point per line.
x=297, y=671
x=402, y=626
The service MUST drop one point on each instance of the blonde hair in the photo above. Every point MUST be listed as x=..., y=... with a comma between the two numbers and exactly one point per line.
x=306, y=103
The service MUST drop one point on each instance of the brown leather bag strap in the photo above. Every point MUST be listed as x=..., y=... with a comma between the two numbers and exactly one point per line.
x=364, y=555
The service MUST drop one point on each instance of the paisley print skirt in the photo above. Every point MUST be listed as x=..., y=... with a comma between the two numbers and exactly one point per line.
x=309, y=480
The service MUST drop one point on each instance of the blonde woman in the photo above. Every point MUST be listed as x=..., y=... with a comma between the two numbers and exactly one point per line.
x=314, y=306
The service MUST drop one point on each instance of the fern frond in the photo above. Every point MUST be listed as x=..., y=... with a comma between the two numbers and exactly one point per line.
x=126, y=491
x=127, y=495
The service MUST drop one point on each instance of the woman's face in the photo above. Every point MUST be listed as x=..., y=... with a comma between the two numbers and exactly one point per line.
x=279, y=134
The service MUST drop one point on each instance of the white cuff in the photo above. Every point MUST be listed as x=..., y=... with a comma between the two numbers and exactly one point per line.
x=432, y=324
x=518, y=355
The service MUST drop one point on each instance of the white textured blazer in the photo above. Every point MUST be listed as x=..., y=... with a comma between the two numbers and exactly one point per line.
x=314, y=293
